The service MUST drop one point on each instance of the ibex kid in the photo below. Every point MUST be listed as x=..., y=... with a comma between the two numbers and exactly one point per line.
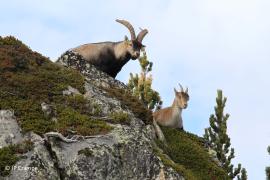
x=171, y=116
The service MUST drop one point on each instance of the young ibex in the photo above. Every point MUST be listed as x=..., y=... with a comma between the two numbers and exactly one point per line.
x=171, y=116
x=110, y=57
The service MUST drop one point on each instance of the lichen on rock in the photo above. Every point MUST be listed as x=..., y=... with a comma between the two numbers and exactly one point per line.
x=10, y=132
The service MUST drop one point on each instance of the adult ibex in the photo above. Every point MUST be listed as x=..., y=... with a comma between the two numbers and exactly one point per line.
x=110, y=57
x=171, y=116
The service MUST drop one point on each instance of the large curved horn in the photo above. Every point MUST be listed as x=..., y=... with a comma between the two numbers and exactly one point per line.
x=141, y=35
x=129, y=26
x=181, y=87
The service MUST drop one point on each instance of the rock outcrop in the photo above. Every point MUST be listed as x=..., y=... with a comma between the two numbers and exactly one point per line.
x=9, y=129
x=126, y=152
x=69, y=121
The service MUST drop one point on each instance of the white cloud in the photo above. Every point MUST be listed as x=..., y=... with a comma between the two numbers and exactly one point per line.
x=205, y=45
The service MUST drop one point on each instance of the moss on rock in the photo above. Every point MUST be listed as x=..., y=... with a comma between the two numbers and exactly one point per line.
x=131, y=102
x=120, y=117
x=11, y=154
x=28, y=79
x=70, y=119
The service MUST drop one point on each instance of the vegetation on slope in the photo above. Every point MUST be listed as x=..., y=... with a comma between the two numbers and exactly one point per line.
x=11, y=154
x=120, y=117
x=131, y=102
x=190, y=156
x=28, y=79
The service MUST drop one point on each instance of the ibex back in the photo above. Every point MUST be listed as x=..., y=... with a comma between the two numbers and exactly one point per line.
x=110, y=57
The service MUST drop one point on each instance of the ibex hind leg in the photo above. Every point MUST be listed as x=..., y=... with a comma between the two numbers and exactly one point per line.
x=159, y=133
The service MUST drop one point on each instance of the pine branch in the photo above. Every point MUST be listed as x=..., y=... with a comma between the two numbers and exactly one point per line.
x=140, y=85
x=217, y=136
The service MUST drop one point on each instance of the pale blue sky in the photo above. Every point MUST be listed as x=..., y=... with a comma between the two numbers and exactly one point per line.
x=203, y=44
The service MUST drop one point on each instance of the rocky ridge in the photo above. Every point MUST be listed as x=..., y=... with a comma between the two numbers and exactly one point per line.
x=68, y=120
x=126, y=152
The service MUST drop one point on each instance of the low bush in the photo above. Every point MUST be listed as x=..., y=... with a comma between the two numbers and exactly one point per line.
x=188, y=150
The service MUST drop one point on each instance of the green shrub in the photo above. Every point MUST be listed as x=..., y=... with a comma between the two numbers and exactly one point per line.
x=7, y=158
x=77, y=102
x=120, y=117
x=177, y=167
x=131, y=102
x=28, y=79
x=141, y=85
x=187, y=150
x=70, y=119
x=9, y=40
x=9, y=155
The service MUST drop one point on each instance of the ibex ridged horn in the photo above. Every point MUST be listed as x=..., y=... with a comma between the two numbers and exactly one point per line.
x=129, y=26
x=141, y=35
x=181, y=87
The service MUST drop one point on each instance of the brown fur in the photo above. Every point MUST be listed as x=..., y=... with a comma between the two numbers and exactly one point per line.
x=110, y=57
x=171, y=116
x=163, y=114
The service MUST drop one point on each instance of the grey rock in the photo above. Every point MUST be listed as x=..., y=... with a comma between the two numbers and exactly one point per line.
x=94, y=76
x=47, y=109
x=71, y=91
x=10, y=132
x=127, y=152
x=37, y=165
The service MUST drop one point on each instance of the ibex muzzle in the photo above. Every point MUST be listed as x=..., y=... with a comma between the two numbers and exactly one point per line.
x=110, y=57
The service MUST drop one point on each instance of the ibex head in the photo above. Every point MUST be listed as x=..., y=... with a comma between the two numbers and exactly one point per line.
x=181, y=97
x=134, y=45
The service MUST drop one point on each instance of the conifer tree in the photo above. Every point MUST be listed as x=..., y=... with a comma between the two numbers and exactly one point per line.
x=243, y=175
x=218, y=139
x=267, y=169
x=141, y=85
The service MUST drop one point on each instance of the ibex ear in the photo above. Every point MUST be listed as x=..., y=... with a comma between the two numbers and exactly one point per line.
x=186, y=90
x=175, y=91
